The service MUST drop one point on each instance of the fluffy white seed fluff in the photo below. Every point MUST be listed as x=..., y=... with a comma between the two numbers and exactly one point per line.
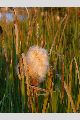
x=37, y=62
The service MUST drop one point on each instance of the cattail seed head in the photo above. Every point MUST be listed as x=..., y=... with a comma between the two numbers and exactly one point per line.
x=37, y=63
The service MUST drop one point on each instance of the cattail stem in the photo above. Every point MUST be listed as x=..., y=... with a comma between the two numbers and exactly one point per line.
x=62, y=80
x=36, y=98
x=16, y=30
x=70, y=97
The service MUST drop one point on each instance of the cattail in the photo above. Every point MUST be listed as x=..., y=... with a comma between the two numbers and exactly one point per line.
x=37, y=64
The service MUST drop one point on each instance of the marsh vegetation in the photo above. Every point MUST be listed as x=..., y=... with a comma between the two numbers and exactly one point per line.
x=58, y=31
